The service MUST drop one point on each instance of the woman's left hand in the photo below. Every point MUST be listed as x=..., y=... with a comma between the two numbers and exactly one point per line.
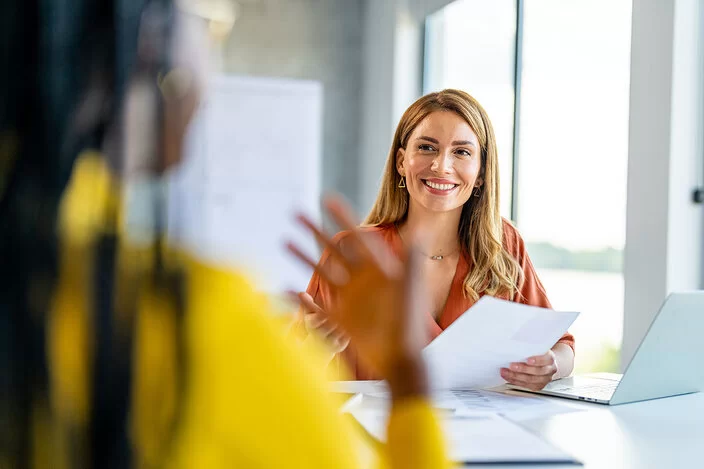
x=534, y=373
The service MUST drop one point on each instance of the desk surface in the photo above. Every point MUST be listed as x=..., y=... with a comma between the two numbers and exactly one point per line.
x=661, y=433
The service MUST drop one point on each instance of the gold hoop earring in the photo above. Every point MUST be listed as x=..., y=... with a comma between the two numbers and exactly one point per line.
x=477, y=192
x=402, y=183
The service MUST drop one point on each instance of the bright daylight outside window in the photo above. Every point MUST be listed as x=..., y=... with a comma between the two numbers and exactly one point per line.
x=572, y=141
x=470, y=45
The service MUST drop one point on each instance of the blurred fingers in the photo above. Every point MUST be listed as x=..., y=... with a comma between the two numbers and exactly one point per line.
x=326, y=241
x=339, y=341
x=309, y=303
x=314, y=320
x=343, y=216
x=334, y=277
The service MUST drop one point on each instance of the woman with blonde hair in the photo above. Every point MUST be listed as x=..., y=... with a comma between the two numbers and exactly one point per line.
x=442, y=178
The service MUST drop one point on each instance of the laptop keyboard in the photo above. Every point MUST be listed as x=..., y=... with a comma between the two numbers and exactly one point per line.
x=597, y=391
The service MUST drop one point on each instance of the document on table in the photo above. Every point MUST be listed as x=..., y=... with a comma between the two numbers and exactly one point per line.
x=480, y=401
x=481, y=438
x=364, y=387
x=493, y=333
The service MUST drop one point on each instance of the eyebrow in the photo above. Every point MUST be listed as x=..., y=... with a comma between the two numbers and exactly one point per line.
x=455, y=143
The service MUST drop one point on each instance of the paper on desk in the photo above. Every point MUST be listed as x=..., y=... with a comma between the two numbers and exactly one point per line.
x=480, y=401
x=472, y=401
x=489, y=336
x=482, y=438
x=353, y=387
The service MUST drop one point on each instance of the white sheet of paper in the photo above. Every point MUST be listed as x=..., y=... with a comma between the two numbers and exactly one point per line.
x=253, y=160
x=353, y=387
x=480, y=401
x=489, y=336
x=516, y=408
x=481, y=438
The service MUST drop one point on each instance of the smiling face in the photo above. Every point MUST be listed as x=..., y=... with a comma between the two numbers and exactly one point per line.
x=441, y=162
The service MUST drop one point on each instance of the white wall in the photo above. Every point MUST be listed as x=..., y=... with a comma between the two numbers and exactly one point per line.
x=377, y=96
x=311, y=40
x=393, y=64
x=664, y=229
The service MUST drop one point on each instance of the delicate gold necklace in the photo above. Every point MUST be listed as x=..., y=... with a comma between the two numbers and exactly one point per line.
x=436, y=257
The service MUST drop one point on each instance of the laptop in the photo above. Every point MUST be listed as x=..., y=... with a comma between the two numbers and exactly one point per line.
x=668, y=361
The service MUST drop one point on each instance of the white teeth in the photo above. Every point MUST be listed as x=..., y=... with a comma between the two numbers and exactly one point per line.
x=441, y=187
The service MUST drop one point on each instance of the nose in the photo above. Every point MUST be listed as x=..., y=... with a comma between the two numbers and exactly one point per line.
x=442, y=163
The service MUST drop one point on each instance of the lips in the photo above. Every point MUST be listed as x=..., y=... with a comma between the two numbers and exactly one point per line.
x=439, y=186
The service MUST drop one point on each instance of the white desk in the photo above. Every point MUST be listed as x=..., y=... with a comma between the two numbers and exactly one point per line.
x=662, y=433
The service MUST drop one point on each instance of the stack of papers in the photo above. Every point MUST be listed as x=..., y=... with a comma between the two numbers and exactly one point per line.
x=481, y=401
x=465, y=360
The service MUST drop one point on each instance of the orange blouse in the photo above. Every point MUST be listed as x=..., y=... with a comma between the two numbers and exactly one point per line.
x=531, y=292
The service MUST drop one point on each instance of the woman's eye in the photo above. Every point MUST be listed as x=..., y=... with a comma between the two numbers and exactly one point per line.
x=426, y=147
x=463, y=152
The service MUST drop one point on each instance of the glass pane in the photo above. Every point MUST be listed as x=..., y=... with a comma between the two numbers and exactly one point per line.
x=573, y=150
x=471, y=45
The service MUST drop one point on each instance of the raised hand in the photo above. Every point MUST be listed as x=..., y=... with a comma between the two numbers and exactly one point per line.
x=380, y=301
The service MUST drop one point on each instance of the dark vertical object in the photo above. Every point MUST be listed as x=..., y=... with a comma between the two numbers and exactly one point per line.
x=63, y=69
x=33, y=91
x=517, y=71
x=108, y=441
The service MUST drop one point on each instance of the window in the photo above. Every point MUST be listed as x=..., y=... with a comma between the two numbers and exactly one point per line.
x=571, y=140
x=470, y=45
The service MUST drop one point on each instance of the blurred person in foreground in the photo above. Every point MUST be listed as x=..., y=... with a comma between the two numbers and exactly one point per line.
x=126, y=352
x=442, y=177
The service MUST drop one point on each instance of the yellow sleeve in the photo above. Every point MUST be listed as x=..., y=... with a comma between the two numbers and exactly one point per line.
x=414, y=437
x=255, y=400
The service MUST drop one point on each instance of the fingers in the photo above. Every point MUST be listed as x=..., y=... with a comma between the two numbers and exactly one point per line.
x=531, y=377
x=535, y=382
x=548, y=370
x=339, y=341
x=534, y=374
x=309, y=304
x=342, y=214
x=325, y=240
x=346, y=262
x=324, y=328
x=314, y=316
x=335, y=278
x=542, y=360
x=316, y=320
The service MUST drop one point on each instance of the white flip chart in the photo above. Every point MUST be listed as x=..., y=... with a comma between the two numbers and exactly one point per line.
x=253, y=160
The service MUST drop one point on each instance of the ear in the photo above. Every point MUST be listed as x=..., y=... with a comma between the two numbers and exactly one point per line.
x=479, y=182
x=400, y=160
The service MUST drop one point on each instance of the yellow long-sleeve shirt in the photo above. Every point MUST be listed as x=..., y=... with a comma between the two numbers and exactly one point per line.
x=255, y=400
x=252, y=398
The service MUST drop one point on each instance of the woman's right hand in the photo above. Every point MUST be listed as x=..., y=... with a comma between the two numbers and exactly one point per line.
x=380, y=302
x=319, y=323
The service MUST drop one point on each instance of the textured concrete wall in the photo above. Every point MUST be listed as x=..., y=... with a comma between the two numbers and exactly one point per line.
x=315, y=40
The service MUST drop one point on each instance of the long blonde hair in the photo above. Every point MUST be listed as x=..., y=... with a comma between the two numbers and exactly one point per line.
x=494, y=270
